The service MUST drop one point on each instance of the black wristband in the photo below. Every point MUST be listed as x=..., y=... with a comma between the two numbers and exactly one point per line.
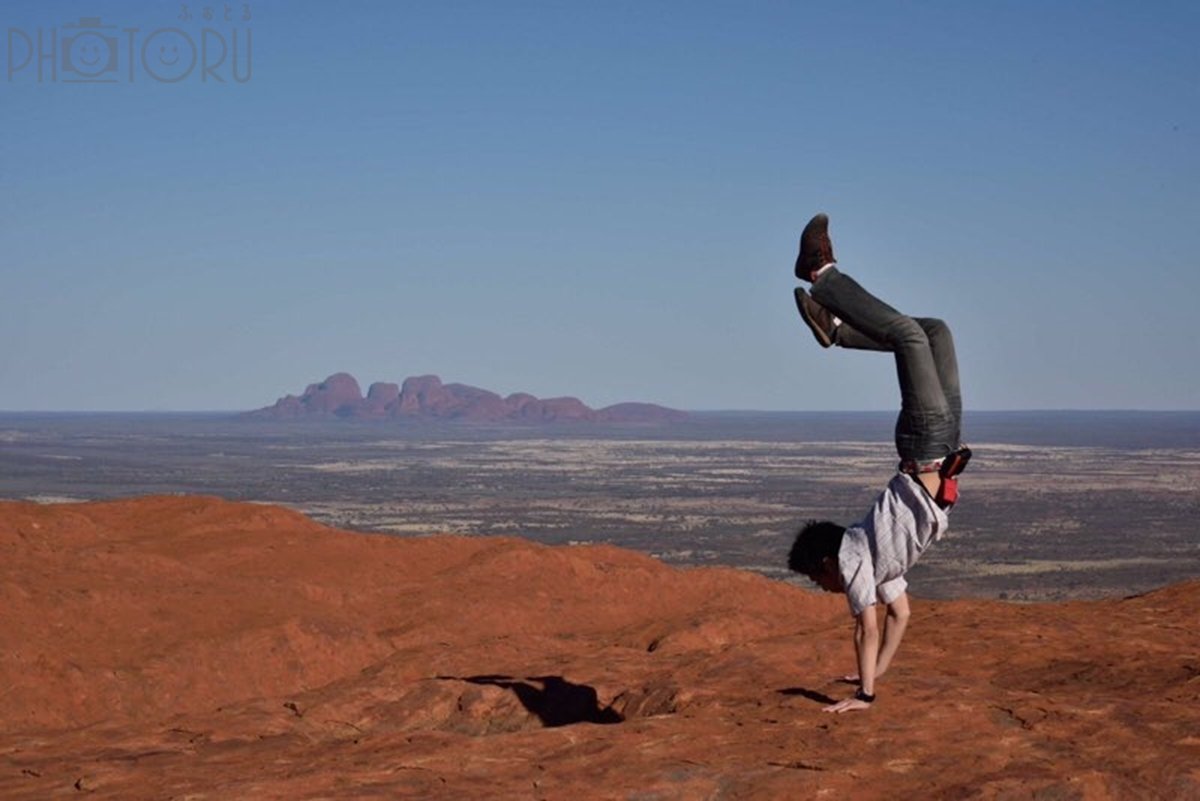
x=864, y=697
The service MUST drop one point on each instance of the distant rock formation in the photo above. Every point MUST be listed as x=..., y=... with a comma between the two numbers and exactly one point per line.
x=427, y=398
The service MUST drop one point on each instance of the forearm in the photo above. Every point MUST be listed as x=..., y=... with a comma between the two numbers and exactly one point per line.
x=893, y=633
x=866, y=644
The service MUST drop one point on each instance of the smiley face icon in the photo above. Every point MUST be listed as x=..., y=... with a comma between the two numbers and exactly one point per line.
x=168, y=55
x=89, y=52
x=169, y=60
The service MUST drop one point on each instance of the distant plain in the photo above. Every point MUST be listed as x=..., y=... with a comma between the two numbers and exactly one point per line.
x=1055, y=505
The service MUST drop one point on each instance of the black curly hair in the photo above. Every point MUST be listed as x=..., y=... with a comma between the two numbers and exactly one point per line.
x=816, y=540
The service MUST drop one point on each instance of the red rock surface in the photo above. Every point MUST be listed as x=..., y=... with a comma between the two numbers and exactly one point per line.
x=427, y=398
x=187, y=647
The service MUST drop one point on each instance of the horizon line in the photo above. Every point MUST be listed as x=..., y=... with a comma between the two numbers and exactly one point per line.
x=1041, y=410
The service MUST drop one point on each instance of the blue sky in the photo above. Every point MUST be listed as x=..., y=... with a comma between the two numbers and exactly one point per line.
x=601, y=199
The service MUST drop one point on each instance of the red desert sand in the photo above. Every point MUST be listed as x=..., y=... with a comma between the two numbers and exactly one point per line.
x=192, y=648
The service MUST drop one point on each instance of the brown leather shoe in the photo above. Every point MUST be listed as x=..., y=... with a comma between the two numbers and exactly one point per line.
x=815, y=248
x=819, y=320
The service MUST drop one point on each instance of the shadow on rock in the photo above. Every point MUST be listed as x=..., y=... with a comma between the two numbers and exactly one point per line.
x=812, y=695
x=556, y=702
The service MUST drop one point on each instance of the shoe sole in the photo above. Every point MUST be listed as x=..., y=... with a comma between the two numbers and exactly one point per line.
x=818, y=332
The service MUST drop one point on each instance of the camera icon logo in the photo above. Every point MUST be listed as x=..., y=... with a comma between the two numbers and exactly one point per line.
x=89, y=51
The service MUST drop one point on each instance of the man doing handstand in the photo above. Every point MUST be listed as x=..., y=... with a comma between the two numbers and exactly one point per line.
x=868, y=560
